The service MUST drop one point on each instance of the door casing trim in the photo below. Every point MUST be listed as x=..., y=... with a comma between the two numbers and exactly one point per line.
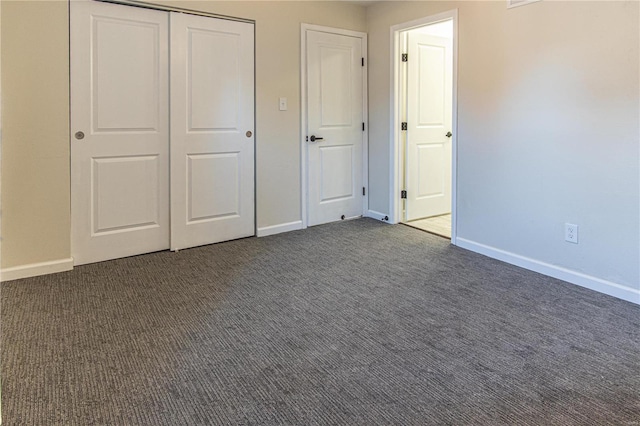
x=304, y=193
x=395, y=156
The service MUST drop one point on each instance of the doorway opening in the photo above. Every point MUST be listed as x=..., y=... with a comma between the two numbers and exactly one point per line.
x=424, y=124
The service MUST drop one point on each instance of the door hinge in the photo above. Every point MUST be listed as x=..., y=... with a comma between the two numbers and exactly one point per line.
x=403, y=125
x=363, y=126
x=363, y=62
x=364, y=191
x=405, y=57
x=403, y=194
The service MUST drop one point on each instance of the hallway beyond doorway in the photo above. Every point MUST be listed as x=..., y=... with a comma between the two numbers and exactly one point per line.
x=438, y=225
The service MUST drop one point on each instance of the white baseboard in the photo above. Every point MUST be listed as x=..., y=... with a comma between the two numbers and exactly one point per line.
x=573, y=277
x=278, y=229
x=377, y=215
x=35, y=269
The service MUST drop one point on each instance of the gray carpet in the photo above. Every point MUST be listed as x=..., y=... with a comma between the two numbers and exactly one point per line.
x=353, y=323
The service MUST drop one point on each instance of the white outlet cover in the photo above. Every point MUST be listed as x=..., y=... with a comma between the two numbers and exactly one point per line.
x=571, y=233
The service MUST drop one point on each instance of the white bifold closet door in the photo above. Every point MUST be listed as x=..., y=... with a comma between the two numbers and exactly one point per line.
x=121, y=178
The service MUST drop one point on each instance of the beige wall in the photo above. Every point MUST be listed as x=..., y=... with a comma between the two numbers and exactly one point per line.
x=35, y=151
x=35, y=125
x=548, y=130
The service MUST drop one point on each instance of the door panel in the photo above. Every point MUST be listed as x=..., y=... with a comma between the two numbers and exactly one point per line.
x=124, y=208
x=125, y=93
x=431, y=167
x=336, y=85
x=206, y=49
x=335, y=113
x=119, y=101
x=212, y=125
x=214, y=186
x=336, y=167
x=428, y=153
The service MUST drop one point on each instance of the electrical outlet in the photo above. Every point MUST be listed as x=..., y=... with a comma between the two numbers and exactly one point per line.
x=571, y=233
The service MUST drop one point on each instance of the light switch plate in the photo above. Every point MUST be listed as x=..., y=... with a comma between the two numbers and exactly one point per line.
x=283, y=104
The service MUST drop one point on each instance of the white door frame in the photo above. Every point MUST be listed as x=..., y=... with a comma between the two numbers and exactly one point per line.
x=304, y=179
x=395, y=154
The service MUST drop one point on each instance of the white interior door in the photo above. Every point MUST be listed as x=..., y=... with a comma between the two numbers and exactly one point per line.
x=212, y=126
x=119, y=117
x=335, y=119
x=428, y=153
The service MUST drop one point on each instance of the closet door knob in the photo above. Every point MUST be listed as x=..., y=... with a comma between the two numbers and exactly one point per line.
x=79, y=135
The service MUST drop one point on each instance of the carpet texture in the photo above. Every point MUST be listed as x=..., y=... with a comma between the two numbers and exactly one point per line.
x=352, y=323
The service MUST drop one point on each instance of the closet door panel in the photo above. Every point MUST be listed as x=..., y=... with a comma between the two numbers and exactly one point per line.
x=212, y=126
x=120, y=131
